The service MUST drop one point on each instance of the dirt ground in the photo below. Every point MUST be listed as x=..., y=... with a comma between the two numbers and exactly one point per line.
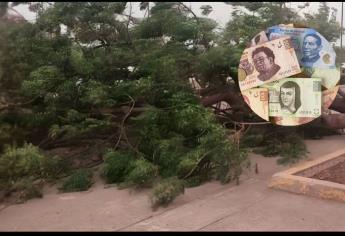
x=335, y=174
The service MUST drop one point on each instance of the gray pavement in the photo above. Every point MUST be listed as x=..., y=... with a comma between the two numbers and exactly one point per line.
x=250, y=206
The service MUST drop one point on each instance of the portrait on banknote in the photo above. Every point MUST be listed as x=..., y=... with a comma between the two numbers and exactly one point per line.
x=289, y=97
x=295, y=97
x=311, y=48
x=263, y=58
x=268, y=62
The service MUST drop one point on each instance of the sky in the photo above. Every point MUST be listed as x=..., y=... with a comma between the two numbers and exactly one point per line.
x=221, y=12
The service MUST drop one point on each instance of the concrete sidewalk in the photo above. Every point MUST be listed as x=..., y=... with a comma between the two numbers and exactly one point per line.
x=210, y=207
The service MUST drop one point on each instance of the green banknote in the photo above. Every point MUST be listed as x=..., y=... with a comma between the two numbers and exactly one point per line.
x=295, y=97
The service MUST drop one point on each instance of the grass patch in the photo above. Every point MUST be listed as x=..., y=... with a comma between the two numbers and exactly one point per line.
x=80, y=180
x=166, y=191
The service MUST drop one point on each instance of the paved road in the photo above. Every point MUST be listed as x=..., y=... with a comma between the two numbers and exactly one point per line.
x=210, y=207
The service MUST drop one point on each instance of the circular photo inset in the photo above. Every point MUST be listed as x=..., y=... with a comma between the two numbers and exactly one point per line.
x=288, y=76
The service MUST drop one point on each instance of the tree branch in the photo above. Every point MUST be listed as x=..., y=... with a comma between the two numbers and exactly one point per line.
x=197, y=164
x=127, y=26
x=190, y=10
x=14, y=105
x=123, y=122
x=336, y=121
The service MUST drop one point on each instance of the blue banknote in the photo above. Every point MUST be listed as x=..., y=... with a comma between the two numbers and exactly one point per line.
x=312, y=49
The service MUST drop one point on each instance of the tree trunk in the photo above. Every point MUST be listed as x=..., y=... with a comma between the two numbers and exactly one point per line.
x=336, y=121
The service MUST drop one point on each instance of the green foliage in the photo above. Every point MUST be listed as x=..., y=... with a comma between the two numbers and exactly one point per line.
x=25, y=189
x=10, y=133
x=167, y=155
x=271, y=148
x=242, y=28
x=188, y=163
x=261, y=15
x=80, y=180
x=201, y=151
x=96, y=93
x=41, y=80
x=117, y=166
x=292, y=149
x=16, y=163
x=73, y=84
x=75, y=129
x=22, y=170
x=221, y=59
x=166, y=191
x=142, y=174
x=54, y=167
x=285, y=143
x=325, y=22
x=315, y=129
x=252, y=140
x=166, y=20
x=193, y=181
x=80, y=62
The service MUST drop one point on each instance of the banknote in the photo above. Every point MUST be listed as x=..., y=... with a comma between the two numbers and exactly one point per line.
x=295, y=97
x=258, y=39
x=267, y=62
x=328, y=96
x=257, y=100
x=312, y=49
x=330, y=76
x=290, y=121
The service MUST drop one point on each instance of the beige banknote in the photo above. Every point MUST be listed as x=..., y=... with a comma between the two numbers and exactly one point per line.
x=258, y=39
x=257, y=100
x=267, y=62
x=295, y=97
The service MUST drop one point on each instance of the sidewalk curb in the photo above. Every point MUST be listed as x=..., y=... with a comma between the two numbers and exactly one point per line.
x=297, y=179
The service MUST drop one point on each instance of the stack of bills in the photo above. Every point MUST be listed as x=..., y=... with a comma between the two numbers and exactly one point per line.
x=288, y=75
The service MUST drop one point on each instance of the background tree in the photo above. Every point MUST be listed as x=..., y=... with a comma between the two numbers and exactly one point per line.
x=324, y=21
x=104, y=86
x=111, y=81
